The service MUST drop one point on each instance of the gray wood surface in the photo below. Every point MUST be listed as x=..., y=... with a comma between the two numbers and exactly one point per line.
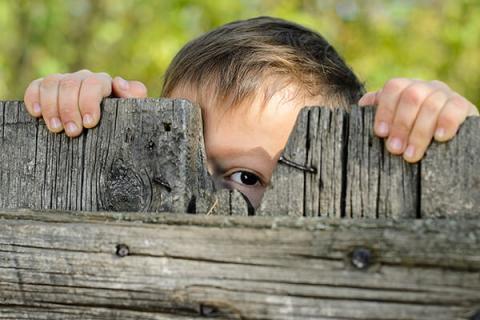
x=146, y=155
x=65, y=265
x=450, y=179
x=358, y=178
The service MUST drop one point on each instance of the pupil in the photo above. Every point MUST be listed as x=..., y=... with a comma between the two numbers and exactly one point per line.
x=248, y=178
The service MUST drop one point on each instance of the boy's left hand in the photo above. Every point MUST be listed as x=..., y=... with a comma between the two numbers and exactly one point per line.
x=410, y=112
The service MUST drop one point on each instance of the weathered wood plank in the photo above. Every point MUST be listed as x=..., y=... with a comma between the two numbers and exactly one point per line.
x=378, y=184
x=285, y=194
x=56, y=264
x=357, y=177
x=450, y=180
x=146, y=155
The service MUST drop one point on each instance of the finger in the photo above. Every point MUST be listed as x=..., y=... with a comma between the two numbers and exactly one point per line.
x=32, y=98
x=408, y=106
x=387, y=104
x=48, y=102
x=473, y=111
x=93, y=89
x=424, y=127
x=368, y=99
x=69, y=113
x=128, y=89
x=453, y=114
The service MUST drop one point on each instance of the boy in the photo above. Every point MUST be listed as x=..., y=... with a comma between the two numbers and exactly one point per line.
x=251, y=78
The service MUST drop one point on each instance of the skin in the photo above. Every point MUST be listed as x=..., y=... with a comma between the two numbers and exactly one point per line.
x=243, y=144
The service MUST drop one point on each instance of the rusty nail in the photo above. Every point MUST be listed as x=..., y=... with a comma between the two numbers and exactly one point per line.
x=161, y=181
x=122, y=250
x=295, y=165
x=361, y=258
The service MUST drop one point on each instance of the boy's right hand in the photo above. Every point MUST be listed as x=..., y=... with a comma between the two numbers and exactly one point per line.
x=71, y=101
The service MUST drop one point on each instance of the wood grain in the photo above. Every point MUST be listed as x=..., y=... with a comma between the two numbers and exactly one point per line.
x=450, y=179
x=146, y=155
x=358, y=178
x=59, y=265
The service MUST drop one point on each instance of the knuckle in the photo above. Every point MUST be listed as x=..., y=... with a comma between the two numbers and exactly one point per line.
x=395, y=85
x=105, y=75
x=439, y=84
x=458, y=102
x=448, y=121
x=69, y=83
x=93, y=81
x=50, y=81
x=412, y=96
x=420, y=136
x=401, y=127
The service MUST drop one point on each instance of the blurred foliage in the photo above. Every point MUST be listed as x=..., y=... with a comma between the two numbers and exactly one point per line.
x=429, y=39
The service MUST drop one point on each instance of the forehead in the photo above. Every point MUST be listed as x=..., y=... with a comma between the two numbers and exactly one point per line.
x=249, y=135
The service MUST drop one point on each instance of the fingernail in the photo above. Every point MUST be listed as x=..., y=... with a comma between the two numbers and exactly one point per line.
x=55, y=123
x=36, y=108
x=123, y=84
x=396, y=144
x=439, y=133
x=382, y=128
x=71, y=127
x=410, y=152
x=87, y=120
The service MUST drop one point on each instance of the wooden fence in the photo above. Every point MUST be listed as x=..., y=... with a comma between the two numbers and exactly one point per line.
x=108, y=250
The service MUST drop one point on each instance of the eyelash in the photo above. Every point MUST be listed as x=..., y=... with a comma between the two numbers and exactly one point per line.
x=237, y=176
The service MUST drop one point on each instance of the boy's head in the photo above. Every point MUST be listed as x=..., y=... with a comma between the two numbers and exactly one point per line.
x=251, y=78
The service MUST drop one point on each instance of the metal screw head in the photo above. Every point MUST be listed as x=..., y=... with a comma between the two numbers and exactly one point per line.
x=122, y=250
x=361, y=258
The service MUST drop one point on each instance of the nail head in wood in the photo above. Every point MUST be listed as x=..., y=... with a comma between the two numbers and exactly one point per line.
x=208, y=311
x=122, y=250
x=361, y=258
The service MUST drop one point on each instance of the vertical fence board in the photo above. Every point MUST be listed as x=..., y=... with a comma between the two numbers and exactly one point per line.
x=325, y=154
x=379, y=185
x=450, y=180
x=285, y=195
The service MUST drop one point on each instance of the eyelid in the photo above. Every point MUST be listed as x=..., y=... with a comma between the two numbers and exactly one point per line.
x=259, y=175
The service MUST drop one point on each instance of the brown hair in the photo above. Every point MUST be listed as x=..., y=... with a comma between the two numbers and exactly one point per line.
x=230, y=63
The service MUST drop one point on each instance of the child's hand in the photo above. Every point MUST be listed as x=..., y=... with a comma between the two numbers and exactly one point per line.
x=71, y=101
x=411, y=112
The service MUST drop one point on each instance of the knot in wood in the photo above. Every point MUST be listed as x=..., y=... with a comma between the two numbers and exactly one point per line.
x=125, y=189
x=361, y=258
x=122, y=250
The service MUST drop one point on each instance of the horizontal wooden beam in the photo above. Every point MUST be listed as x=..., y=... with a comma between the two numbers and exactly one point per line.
x=77, y=265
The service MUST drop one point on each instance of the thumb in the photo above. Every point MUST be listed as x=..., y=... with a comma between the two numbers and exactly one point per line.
x=128, y=89
x=369, y=99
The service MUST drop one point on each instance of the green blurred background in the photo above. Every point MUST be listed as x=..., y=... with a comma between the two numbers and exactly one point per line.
x=137, y=39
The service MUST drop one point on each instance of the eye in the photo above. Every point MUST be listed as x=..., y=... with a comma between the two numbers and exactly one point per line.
x=245, y=177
